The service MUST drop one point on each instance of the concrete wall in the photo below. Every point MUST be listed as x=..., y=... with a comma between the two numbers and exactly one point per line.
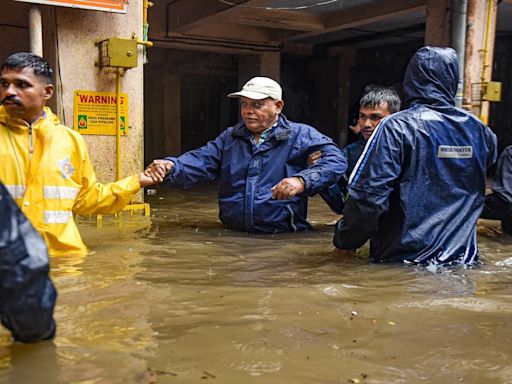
x=500, y=120
x=69, y=37
x=77, y=31
x=13, y=27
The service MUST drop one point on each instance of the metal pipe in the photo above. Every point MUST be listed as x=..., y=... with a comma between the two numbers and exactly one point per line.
x=484, y=115
x=486, y=41
x=458, y=41
x=35, y=30
x=118, y=123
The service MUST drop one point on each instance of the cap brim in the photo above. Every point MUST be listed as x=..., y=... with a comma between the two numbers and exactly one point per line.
x=250, y=95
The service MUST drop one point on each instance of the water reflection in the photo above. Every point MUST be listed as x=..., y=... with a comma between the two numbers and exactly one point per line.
x=180, y=299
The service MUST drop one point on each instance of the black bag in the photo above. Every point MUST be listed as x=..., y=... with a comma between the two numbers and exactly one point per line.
x=27, y=295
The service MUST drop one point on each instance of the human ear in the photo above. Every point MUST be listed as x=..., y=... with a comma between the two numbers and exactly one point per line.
x=279, y=106
x=48, y=91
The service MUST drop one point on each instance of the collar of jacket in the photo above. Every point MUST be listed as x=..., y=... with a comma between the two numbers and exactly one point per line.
x=282, y=131
x=19, y=125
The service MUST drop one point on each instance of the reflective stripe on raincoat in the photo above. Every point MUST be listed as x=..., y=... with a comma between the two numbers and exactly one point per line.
x=418, y=187
x=47, y=170
x=247, y=172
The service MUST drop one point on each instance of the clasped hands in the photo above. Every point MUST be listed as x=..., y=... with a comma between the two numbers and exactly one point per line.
x=158, y=169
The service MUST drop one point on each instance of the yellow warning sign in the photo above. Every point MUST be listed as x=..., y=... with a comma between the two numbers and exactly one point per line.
x=95, y=113
x=118, y=6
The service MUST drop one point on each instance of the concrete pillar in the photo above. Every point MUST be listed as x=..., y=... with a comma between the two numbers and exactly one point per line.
x=265, y=64
x=248, y=67
x=346, y=60
x=270, y=65
x=480, y=35
x=437, y=28
x=172, y=113
x=458, y=41
x=35, y=26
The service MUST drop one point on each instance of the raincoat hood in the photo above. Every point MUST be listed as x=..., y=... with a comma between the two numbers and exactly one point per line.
x=431, y=77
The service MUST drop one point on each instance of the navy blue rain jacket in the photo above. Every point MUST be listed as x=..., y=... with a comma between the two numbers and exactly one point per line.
x=419, y=188
x=27, y=295
x=247, y=172
x=335, y=195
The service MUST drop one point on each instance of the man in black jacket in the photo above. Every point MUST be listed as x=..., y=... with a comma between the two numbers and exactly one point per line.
x=498, y=204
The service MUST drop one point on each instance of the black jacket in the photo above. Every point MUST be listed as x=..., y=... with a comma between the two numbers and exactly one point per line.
x=27, y=295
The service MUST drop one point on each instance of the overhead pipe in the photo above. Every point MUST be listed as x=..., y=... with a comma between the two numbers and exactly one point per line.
x=458, y=41
x=35, y=27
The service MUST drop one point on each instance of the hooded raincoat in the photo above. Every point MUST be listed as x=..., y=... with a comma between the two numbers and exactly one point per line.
x=27, y=295
x=247, y=172
x=418, y=187
x=47, y=170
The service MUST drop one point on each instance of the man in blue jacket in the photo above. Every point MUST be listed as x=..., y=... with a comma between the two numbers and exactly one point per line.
x=419, y=186
x=375, y=104
x=260, y=163
x=27, y=295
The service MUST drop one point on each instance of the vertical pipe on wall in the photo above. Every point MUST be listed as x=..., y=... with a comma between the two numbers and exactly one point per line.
x=36, y=30
x=458, y=41
x=118, y=123
x=485, y=77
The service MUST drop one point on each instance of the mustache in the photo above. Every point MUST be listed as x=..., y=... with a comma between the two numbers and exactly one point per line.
x=12, y=99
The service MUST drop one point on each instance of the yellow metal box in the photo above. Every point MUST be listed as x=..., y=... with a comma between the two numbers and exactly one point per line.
x=118, y=53
x=492, y=91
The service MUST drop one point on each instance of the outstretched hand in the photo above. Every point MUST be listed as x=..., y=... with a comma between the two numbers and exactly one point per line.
x=158, y=169
x=287, y=188
x=145, y=181
x=356, y=128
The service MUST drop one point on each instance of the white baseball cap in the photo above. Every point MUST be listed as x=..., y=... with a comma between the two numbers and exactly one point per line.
x=259, y=88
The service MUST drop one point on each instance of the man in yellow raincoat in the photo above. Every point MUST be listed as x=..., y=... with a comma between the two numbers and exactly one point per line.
x=45, y=165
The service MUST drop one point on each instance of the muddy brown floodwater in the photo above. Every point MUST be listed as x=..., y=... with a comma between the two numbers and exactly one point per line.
x=176, y=298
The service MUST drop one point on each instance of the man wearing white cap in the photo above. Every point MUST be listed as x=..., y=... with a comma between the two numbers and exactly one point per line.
x=261, y=164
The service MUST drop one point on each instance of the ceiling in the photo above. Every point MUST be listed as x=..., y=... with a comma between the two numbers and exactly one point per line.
x=248, y=26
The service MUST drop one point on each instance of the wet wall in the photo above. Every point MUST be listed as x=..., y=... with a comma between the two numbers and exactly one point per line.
x=69, y=37
x=499, y=119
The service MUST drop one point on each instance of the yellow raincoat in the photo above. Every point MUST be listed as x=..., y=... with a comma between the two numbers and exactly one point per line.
x=47, y=170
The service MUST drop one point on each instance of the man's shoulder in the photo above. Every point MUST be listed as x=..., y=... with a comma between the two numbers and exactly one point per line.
x=297, y=126
x=356, y=145
x=65, y=130
x=302, y=130
x=401, y=122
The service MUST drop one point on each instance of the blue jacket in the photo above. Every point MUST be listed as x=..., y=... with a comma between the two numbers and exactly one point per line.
x=247, y=172
x=27, y=295
x=335, y=195
x=419, y=187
